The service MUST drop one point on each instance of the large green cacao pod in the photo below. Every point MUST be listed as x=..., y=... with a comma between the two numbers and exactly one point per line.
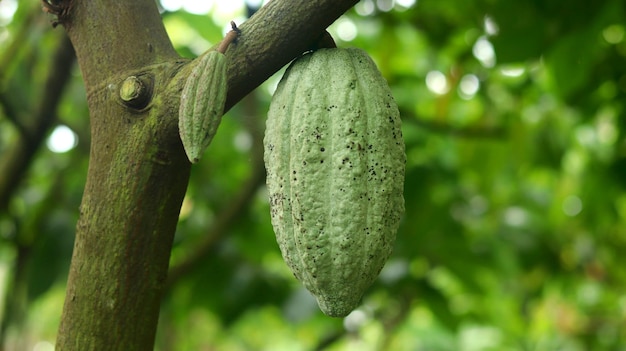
x=335, y=164
x=202, y=103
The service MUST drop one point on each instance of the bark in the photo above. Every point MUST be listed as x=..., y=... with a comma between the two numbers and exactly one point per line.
x=138, y=171
x=135, y=182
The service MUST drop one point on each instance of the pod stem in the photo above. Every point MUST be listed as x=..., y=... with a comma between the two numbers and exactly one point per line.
x=229, y=38
x=325, y=41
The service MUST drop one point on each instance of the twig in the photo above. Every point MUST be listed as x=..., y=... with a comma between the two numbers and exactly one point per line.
x=8, y=58
x=228, y=216
x=11, y=52
x=12, y=115
x=15, y=161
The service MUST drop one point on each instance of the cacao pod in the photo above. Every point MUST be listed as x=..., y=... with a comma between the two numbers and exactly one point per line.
x=335, y=164
x=202, y=103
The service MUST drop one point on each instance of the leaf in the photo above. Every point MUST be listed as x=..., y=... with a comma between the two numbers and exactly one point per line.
x=570, y=62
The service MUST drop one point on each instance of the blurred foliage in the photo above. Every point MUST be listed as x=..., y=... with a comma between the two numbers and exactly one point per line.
x=515, y=220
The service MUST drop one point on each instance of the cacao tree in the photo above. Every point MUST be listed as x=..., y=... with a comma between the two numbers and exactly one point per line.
x=137, y=170
x=513, y=233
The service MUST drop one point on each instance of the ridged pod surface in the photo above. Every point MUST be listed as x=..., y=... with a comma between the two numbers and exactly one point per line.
x=202, y=104
x=335, y=164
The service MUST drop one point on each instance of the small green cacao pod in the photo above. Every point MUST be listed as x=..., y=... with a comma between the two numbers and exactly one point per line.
x=202, y=103
x=335, y=164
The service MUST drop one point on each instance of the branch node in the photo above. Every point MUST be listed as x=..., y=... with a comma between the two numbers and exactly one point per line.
x=136, y=91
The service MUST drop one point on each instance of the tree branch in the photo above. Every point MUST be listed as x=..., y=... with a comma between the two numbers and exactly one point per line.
x=10, y=112
x=15, y=161
x=225, y=219
x=229, y=215
x=11, y=52
x=10, y=57
x=275, y=35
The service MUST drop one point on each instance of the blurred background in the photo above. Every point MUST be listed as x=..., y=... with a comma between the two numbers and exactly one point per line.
x=514, y=121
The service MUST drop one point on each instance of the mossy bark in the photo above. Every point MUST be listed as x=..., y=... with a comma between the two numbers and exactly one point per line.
x=136, y=180
x=138, y=171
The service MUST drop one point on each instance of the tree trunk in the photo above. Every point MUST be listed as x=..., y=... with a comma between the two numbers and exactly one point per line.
x=138, y=171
